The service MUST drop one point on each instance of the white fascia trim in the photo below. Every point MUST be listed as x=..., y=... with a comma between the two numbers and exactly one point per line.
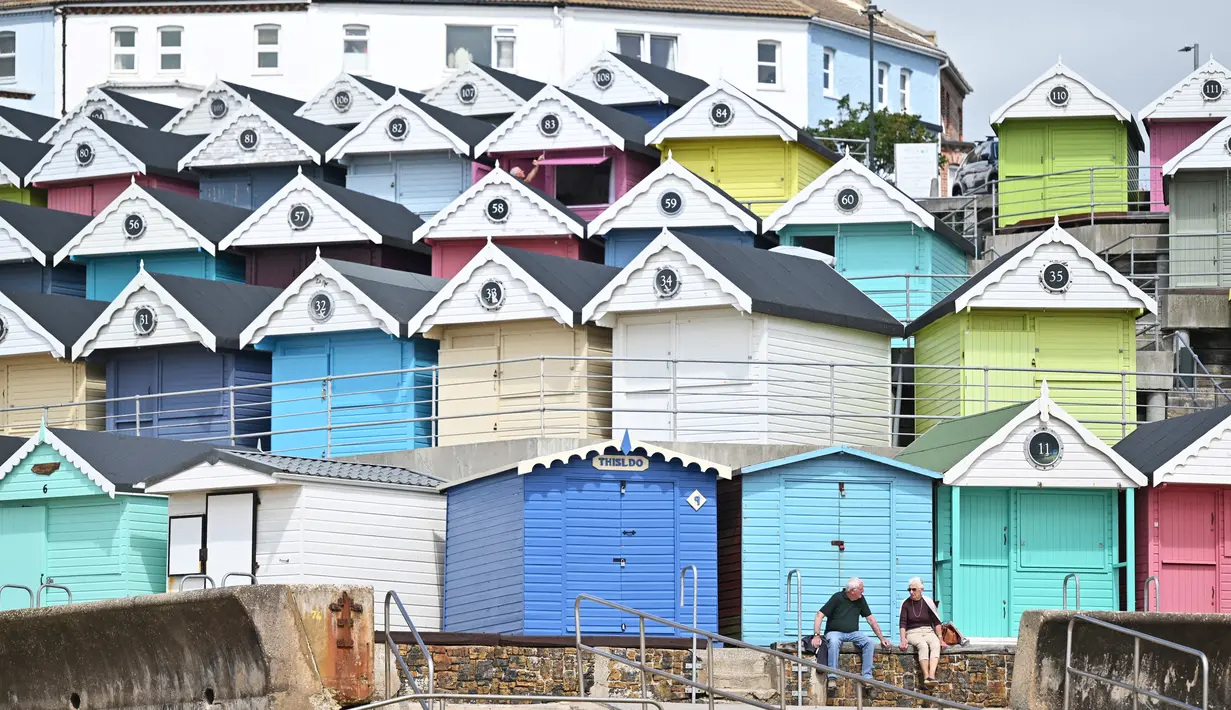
x=1211, y=67
x=13, y=128
x=625, y=72
x=299, y=182
x=397, y=100
x=98, y=133
x=56, y=347
x=497, y=175
x=671, y=167
x=250, y=109
x=546, y=93
x=320, y=268
x=351, y=83
x=217, y=85
x=12, y=177
x=132, y=191
x=1167, y=470
x=143, y=279
x=787, y=131
x=601, y=447
x=920, y=216
x=1059, y=69
x=39, y=255
x=1171, y=167
x=664, y=241
x=434, y=93
x=1044, y=407
x=1052, y=236
x=880, y=39
x=223, y=467
x=95, y=93
x=46, y=436
x=490, y=253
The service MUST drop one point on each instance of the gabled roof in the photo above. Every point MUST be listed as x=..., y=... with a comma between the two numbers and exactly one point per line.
x=1185, y=99
x=974, y=287
x=244, y=94
x=911, y=210
x=32, y=125
x=762, y=281
x=738, y=213
x=1209, y=152
x=150, y=114
x=392, y=297
x=564, y=284
x=656, y=84
x=336, y=470
x=43, y=230
x=1159, y=448
x=18, y=157
x=384, y=91
x=1027, y=103
x=624, y=131
x=950, y=441
x=59, y=319
x=783, y=128
x=313, y=138
x=677, y=88
x=112, y=99
x=152, y=152
x=840, y=450
x=463, y=132
x=216, y=311
x=574, y=222
x=520, y=85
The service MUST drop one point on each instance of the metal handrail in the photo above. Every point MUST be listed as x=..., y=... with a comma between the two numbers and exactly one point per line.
x=693, y=661
x=204, y=577
x=712, y=637
x=391, y=647
x=38, y=596
x=228, y=575
x=20, y=586
x=464, y=697
x=1154, y=579
x=1065, y=589
x=1135, y=687
x=799, y=628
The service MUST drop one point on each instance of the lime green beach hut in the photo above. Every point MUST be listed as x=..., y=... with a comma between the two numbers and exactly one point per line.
x=1030, y=496
x=1045, y=310
x=1066, y=148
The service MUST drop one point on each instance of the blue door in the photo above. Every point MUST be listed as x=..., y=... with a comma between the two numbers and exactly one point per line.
x=205, y=415
x=649, y=576
x=267, y=181
x=429, y=182
x=372, y=177
x=298, y=409
x=23, y=556
x=809, y=528
x=228, y=188
x=592, y=553
x=864, y=527
x=132, y=374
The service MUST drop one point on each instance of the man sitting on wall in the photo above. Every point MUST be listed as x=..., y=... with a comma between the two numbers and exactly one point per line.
x=844, y=609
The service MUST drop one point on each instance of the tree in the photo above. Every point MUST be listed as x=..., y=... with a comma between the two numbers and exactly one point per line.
x=891, y=128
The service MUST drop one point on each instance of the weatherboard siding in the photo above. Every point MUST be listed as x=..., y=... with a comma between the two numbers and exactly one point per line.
x=938, y=388
x=466, y=218
x=623, y=245
x=107, y=276
x=198, y=121
x=26, y=196
x=163, y=232
x=700, y=209
x=31, y=277
x=320, y=108
x=420, y=134
x=145, y=561
x=449, y=257
x=1092, y=288
x=490, y=98
x=61, y=164
x=697, y=289
x=577, y=130
x=1167, y=140
x=485, y=558
x=222, y=148
x=463, y=306
x=329, y=224
x=118, y=331
x=38, y=380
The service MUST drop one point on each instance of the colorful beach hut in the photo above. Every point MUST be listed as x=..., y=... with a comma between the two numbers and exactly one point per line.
x=483, y=92
x=1065, y=148
x=1184, y=113
x=743, y=146
x=515, y=351
x=18, y=156
x=1183, y=518
x=101, y=104
x=1030, y=496
x=29, y=239
x=1198, y=188
x=616, y=520
x=212, y=108
x=1049, y=309
x=349, y=99
x=633, y=86
x=866, y=516
x=704, y=335
x=338, y=319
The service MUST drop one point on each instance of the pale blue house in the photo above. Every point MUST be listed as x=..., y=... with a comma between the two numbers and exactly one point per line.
x=27, y=60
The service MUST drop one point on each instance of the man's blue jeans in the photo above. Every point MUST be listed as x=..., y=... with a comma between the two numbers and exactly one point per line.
x=833, y=644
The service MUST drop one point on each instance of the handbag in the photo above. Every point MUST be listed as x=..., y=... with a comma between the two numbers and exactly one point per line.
x=951, y=636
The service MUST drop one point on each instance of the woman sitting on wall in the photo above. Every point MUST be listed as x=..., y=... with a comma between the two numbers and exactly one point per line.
x=919, y=624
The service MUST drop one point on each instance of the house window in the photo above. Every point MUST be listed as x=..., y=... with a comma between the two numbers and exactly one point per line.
x=123, y=49
x=768, y=58
x=827, y=69
x=662, y=47
x=882, y=86
x=904, y=90
x=267, y=46
x=505, y=46
x=170, y=43
x=466, y=43
x=355, y=49
x=8, y=55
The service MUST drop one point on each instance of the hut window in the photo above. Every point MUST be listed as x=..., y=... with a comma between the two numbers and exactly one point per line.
x=8, y=55
x=662, y=48
x=882, y=86
x=584, y=184
x=355, y=49
x=768, y=62
x=904, y=90
x=123, y=49
x=268, y=42
x=827, y=69
x=170, y=44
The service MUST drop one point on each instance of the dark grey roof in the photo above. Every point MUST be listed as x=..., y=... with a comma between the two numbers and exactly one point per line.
x=629, y=127
x=340, y=470
x=33, y=125
x=793, y=286
x=65, y=317
x=153, y=115
x=213, y=220
x=1154, y=444
x=127, y=460
x=21, y=155
x=160, y=151
x=265, y=100
x=390, y=219
x=572, y=281
x=9, y=446
x=520, y=85
x=948, y=304
x=47, y=229
x=318, y=136
x=679, y=88
x=471, y=130
x=385, y=90
x=551, y=200
x=401, y=293
x=224, y=308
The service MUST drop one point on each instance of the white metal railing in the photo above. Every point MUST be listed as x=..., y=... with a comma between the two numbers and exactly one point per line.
x=1166, y=263
x=752, y=401
x=906, y=296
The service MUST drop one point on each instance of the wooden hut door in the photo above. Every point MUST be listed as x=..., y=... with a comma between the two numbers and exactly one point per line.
x=809, y=528
x=648, y=546
x=983, y=571
x=592, y=553
x=1195, y=259
x=1188, y=551
x=467, y=391
x=23, y=557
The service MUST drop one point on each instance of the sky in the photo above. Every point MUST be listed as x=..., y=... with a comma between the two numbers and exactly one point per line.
x=1127, y=48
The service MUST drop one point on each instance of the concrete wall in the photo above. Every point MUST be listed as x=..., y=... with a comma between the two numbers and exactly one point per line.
x=1038, y=672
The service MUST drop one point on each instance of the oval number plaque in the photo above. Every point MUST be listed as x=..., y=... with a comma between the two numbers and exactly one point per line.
x=4, y=330
x=249, y=139
x=497, y=209
x=218, y=108
x=145, y=321
x=467, y=93
x=670, y=203
x=1211, y=90
x=848, y=199
x=603, y=78
x=84, y=154
x=1058, y=96
x=491, y=295
x=1055, y=277
x=134, y=226
x=666, y=282
x=1044, y=449
x=342, y=101
x=320, y=307
x=397, y=128
x=721, y=113
x=299, y=216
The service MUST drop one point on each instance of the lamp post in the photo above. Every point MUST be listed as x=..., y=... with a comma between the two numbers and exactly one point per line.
x=1196, y=50
x=873, y=12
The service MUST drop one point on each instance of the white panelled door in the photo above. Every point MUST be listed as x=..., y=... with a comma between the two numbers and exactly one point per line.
x=641, y=395
x=230, y=536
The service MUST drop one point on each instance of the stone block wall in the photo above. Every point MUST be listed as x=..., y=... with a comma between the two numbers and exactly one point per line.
x=979, y=677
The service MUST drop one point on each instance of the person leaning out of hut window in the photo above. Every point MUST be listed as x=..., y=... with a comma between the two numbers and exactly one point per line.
x=520, y=174
x=844, y=609
x=919, y=623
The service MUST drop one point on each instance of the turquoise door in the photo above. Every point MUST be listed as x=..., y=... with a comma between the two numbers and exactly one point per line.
x=983, y=574
x=23, y=556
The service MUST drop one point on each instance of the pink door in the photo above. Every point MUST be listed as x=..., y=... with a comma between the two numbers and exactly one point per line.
x=1188, y=536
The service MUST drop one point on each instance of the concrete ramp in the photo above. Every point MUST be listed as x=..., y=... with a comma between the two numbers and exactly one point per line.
x=267, y=647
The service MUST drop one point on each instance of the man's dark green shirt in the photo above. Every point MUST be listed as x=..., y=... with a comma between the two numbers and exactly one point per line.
x=842, y=614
